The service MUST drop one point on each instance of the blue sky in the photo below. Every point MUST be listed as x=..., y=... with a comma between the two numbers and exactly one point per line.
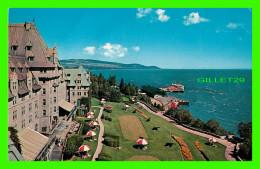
x=165, y=37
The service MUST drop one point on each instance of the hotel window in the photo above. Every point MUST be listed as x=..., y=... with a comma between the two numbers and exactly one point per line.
x=36, y=127
x=73, y=93
x=43, y=81
x=30, y=107
x=43, y=91
x=23, y=124
x=28, y=47
x=30, y=118
x=54, y=90
x=14, y=48
x=36, y=115
x=79, y=93
x=44, y=112
x=15, y=115
x=68, y=75
x=21, y=70
x=44, y=129
x=30, y=58
x=54, y=99
x=51, y=90
x=43, y=70
x=12, y=69
x=43, y=102
x=15, y=100
x=54, y=108
x=50, y=100
x=78, y=87
x=23, y=110
x=85, y=93
x=36, y=104
x=20, y=83
x=50, y=110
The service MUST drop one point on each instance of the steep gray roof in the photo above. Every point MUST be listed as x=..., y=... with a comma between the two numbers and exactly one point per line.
x=73, y=76
x=13, y=153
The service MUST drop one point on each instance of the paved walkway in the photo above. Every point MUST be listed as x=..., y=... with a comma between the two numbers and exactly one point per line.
x=230, y=146
x=100, y=136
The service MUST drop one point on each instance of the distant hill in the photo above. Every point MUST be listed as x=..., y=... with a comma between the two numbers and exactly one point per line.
x=101, y=65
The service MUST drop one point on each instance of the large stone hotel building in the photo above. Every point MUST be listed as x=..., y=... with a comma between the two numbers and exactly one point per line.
x=37, y=89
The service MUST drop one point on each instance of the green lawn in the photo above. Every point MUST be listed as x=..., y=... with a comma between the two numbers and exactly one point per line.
x=92, y=144
x=156, y=139
x=94, y=101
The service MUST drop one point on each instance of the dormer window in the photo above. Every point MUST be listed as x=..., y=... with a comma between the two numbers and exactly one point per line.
x=68, y=75
x=20, y=83
x=30, y=58
x=14, y=48
x=21, y=70
x=13, y=69
x=28, y=47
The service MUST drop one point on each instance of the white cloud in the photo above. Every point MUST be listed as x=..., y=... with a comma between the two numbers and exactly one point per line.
x=233, y=25
x=113, y=50
x=136, y=48
x=143, y=12
x=152, y=15
x=90, y=50
x=161, y=16
x=193, y=18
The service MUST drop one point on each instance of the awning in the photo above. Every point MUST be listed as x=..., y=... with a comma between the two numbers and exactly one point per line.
x=32, y=143
x=66, y=105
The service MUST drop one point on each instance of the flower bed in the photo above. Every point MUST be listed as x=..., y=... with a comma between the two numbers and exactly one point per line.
x=184, y=148
x=142, y=113
x=197, y=144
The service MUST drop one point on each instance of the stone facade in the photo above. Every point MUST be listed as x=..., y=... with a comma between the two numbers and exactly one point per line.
x=36, y=80
x=78, y=82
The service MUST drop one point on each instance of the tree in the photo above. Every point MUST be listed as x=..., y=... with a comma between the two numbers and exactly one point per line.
x=73, y=143
x=95, y=89
x=112, y=81
x=121, y=85
x=198, y=123
x=245, y=130
x=116, y=95
x=85, y=101
x=133, y=91
x=85, y=128
x=14, y=138
x=212, y=125
x=89, y=97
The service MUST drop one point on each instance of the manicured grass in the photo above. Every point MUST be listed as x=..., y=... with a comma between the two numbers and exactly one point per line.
x=142, y=158
x=132, y=127
x=156, y=139
x=94, y=101
x=92, y=144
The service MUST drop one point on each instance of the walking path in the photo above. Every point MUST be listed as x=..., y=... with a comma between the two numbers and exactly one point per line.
x=230, y=146
x=100, y=136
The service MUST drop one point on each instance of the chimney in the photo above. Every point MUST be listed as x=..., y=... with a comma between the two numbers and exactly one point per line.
x=27, y=25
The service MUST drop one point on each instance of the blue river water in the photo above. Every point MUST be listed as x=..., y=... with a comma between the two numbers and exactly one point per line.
x=229, y=103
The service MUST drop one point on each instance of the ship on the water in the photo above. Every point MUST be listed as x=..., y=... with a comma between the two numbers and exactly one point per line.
x=175, y=87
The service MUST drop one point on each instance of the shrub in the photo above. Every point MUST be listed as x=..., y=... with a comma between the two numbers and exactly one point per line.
x=85, y=129
x=111, y=140
x=73, y=143
x=107, y=110
x=102, y=117
x=104, y=157
x=109, y=119
x=106, y=118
